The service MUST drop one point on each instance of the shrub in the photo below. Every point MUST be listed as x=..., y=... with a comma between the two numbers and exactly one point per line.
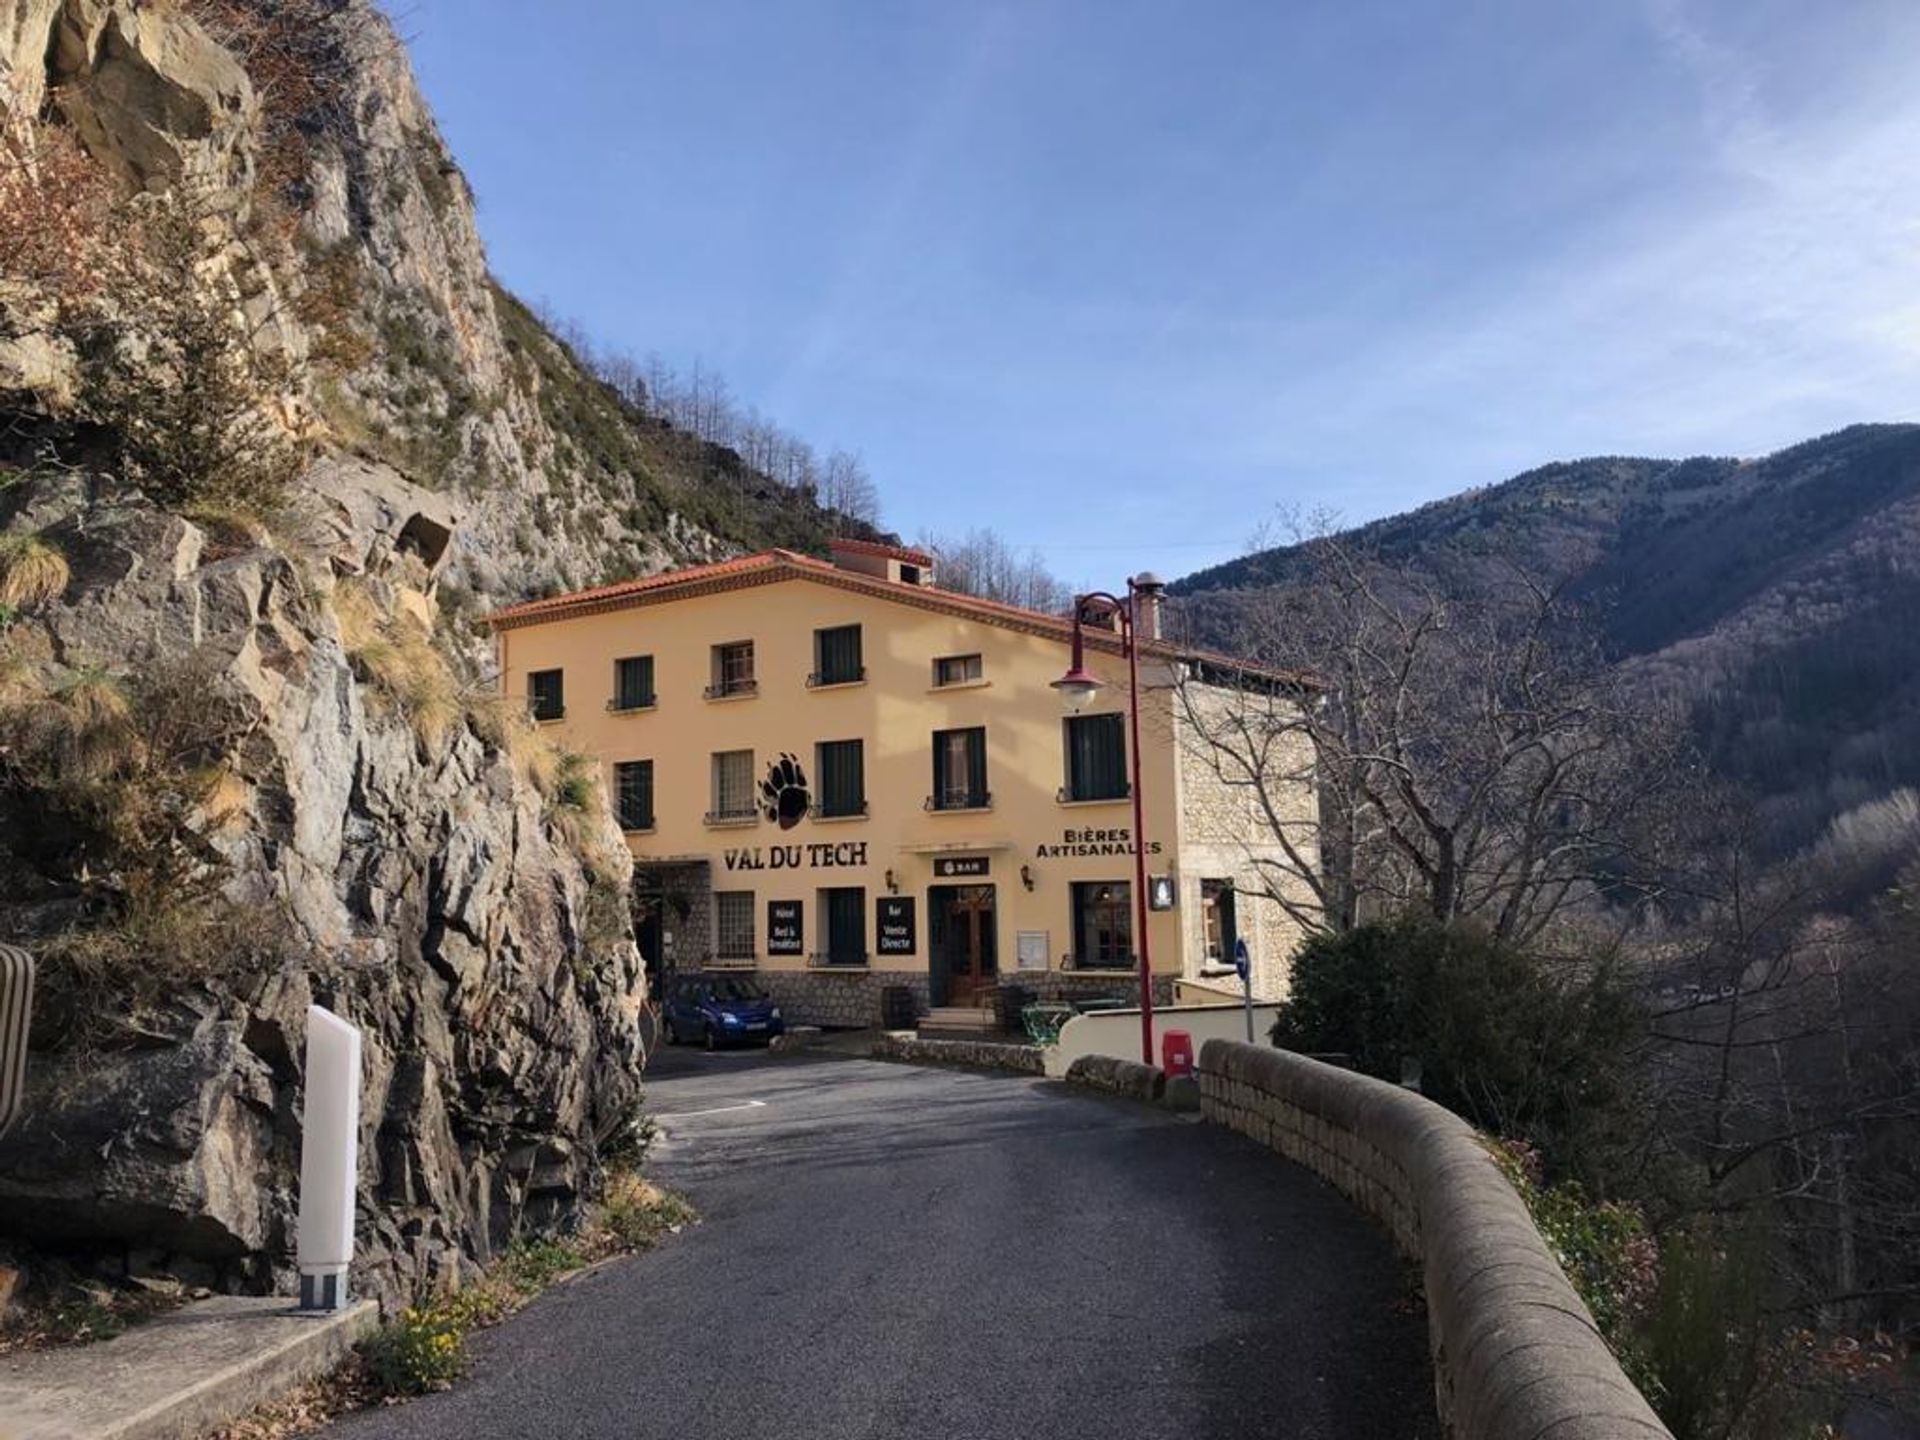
x=1521, y=1047
x=636, y=1214
x=172, y=373
x=423, y=1348
x=1604, y=1247
x=32, y=572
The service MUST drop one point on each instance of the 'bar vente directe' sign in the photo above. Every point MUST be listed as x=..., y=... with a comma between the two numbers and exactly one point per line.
x=786, y=934
x=894, y=932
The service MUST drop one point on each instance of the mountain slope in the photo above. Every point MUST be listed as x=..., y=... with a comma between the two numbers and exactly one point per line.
x=269, y=433
x=1777, y=596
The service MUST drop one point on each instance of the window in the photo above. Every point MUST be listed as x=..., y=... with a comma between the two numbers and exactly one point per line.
x=1096, y=758
x=843, y=913
x=960, y=769
x=840, y=767
x=546, y=694
x=733, y=913
x=632, y=683
x=836, y=656
x=732, y=785
x=1102, y=924
x=732, y=670
x=633, y=794
x=957, y=669
x=1217, y=923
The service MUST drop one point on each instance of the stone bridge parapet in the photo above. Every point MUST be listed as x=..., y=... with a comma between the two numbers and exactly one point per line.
x=1516, y=1355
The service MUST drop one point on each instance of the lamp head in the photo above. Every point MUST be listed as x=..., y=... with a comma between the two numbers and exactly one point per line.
x=1077, y=687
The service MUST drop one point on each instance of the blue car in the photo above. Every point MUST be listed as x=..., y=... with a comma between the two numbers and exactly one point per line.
x=716, y=1010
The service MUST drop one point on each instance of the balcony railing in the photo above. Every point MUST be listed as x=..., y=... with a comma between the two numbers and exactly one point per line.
x=731, y=817
x=1067, y=795
x=959, y=800
x=833, y=677
x=730, y=689
x=626, y=704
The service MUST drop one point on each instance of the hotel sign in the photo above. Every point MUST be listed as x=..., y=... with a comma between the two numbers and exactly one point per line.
x=893, y=929
x=961, y=867
x=786, y=932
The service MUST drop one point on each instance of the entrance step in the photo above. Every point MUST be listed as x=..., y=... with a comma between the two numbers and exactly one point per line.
x=959, y=1020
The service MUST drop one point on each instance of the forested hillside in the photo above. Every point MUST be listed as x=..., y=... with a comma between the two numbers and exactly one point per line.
x=1777, y=597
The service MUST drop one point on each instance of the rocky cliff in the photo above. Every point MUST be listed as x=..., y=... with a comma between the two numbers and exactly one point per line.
x=269, y=434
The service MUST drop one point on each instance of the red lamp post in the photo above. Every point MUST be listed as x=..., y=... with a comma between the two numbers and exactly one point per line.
x=1077, y=687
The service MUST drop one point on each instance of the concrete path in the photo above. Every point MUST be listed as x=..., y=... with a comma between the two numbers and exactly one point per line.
x=176, y=1375
x=895, y=1251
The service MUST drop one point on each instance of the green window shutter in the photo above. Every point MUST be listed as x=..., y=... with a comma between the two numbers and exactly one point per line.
x=1096, y=757
x=977, y=766
x=837, y=655
x=633, y=794
x=847, y=926
x=842, y=767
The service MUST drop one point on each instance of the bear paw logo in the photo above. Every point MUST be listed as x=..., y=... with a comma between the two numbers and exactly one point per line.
x=783, y=794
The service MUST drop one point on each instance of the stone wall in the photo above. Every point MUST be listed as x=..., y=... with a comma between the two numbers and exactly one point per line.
x=850, y=999
x=839, y=999
x=1516, y=1355
x=1226, y=831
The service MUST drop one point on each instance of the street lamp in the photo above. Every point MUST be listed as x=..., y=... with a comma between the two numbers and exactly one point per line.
x=1077, y=687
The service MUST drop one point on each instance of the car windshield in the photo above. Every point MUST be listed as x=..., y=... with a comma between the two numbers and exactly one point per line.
x=735, y=989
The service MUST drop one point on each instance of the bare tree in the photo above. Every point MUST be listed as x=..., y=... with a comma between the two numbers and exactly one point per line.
x=1475, y=755
x=846, y=487
x=982, y=562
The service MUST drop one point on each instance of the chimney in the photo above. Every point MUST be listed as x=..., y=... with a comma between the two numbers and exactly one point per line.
x=1149, y=598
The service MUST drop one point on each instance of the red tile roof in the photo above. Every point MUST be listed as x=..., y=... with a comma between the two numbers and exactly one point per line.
x=767, y=566
x=885, y=552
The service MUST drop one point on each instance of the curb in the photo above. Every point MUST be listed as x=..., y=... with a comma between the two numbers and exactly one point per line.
x=179, y=1374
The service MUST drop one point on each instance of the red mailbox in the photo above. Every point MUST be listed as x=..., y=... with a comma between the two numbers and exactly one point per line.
x=1176, y=1053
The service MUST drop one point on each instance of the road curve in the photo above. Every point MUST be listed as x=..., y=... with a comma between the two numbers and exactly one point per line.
x=892, y=1251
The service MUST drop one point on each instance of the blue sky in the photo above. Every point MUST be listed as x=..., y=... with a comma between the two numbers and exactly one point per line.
x=1117, y=277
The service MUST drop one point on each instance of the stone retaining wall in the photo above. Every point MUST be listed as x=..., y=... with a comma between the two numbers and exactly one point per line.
x=973, y=1054
x=1119, y=1077
x=1516, y=1355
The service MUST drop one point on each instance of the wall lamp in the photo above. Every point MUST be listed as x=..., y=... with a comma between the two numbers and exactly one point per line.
x=893, y=885
x=1026, y=876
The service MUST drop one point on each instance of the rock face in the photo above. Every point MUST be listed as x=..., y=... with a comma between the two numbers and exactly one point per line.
x=417, y=879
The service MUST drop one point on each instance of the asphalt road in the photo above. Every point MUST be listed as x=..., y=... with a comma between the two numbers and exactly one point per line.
x=894, y=1251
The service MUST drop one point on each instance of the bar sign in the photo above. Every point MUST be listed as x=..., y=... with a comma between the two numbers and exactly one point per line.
x=960, y=867
x=786, y=934
x=894, y=927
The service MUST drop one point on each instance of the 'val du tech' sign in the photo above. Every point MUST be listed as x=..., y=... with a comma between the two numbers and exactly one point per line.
x=797, y=857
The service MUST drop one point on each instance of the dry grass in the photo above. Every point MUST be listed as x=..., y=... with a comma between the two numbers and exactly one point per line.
x=395, y=656
x=33, y=572
x=79, y=728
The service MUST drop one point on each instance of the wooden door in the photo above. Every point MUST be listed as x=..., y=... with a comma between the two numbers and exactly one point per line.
x=964, y=942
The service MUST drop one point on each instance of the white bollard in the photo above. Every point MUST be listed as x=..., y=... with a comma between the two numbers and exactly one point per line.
x=329, y=1160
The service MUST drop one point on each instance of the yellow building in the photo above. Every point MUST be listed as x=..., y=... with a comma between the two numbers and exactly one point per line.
x=842, y=777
